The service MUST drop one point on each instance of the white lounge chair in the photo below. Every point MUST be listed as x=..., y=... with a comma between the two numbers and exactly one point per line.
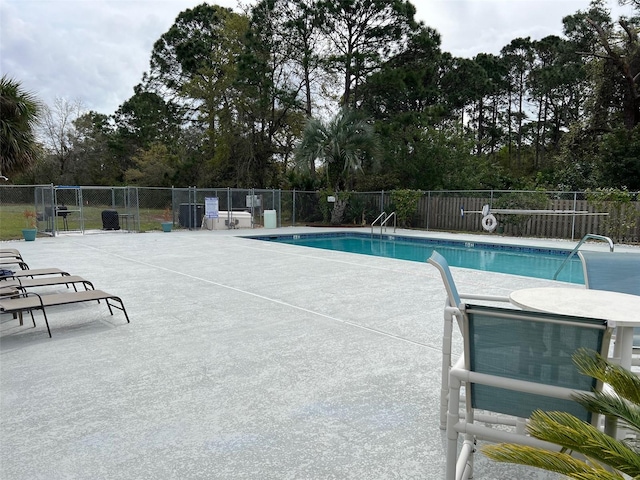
x=35, y=272
x=22, y=283
x=10, y=253
x=614, y=272
x=451, y=310
x=32, y=301
x=9, y=261
x=516, y=362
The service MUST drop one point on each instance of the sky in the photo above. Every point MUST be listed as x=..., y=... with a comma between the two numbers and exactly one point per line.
x=95, y=51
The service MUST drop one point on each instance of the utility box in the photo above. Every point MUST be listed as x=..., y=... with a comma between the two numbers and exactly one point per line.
x=190, y=215
x=110, y=220
x=270, y=219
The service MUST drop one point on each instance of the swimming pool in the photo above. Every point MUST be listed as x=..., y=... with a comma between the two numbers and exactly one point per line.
x=512, y=259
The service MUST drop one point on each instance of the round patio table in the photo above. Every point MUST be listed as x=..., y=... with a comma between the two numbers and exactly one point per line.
x=621, y=311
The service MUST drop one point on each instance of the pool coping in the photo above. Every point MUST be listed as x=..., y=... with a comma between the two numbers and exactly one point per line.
x=475, y=244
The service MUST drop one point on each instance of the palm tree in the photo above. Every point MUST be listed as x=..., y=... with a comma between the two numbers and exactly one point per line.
x=606, y=457
x=342, y=146
x=19, y=112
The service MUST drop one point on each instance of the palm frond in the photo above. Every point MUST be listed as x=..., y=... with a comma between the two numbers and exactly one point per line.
x=19, y=112
x=558, y=462
x=345, y=142
x=625, y=383
x=570, y=432
x=612, y=405
x=575, y=435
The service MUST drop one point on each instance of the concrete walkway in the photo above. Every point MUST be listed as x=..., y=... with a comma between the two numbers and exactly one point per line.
x=243, y=360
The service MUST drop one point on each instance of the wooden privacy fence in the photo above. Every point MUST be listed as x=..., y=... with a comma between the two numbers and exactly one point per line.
x=444, y=213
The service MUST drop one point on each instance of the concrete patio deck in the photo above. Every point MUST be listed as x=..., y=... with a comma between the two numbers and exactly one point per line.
x=243, y=360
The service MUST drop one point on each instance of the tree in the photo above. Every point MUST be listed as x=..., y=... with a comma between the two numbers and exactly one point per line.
x=297, y=23
x=620, y=157
x=612, y=51
x=194, y=64
x=58, y=130
x=557, y=84
x=411, y=98
x=485, y=115
x=343, y=146
x=154, y=167
x=620, y=50
x=362, y=34
x=19, y=114
x=270, y=105
x=92, y=160
x=519, y=59
x=464, y=82
x=147, y=118
x=409, y=82
x=575, y=435
x=594, y=152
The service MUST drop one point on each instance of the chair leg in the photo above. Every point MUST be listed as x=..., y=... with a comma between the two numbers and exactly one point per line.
x=33, y=319
x=521, y=426
x=109, y=305
x=446, y=366
x=46, y=320
x=465, y=461
x=453, y=418
x=121, y=307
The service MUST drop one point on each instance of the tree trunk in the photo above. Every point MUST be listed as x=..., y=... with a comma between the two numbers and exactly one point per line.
x=337, y=214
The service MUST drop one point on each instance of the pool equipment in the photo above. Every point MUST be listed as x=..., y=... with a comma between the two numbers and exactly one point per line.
x=489, y=221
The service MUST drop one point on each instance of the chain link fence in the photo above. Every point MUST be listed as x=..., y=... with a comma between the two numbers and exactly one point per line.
x=562, y=215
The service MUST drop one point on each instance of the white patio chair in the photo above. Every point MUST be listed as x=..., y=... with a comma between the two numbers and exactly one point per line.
x=451, y=310
x=516, y=362
x=615, y=272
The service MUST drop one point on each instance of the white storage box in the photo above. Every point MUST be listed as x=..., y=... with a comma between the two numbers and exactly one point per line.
x=224, y=222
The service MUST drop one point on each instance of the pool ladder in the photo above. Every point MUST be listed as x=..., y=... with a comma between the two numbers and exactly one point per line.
x=383, y=218
x=588, y=236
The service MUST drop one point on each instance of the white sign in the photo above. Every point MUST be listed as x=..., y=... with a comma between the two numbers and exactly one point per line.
x=211, y=207
x=252, y=201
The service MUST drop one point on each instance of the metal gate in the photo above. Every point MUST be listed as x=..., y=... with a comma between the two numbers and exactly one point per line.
x=83, y=210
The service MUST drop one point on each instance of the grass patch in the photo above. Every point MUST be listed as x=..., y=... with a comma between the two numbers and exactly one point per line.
x=12, y=220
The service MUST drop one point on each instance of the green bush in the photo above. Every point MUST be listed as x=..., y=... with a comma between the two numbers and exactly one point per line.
x=405, y=203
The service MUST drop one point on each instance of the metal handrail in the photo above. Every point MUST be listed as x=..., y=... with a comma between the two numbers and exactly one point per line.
x=588, y=236
x=384, y=222
x=383, y=215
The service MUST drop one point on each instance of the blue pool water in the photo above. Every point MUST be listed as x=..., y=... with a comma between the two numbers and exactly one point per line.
x=516, y=260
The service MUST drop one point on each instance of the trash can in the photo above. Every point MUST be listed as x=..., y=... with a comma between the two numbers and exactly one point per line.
x=270, y=220
x=190, y=215
x=110, y=220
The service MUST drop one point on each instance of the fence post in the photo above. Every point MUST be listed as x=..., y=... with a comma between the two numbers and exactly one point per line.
x=173, y=205
x=428, y=208
x=293, y=208
x=573, y=216
x=53, y=209
x=279, y=206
